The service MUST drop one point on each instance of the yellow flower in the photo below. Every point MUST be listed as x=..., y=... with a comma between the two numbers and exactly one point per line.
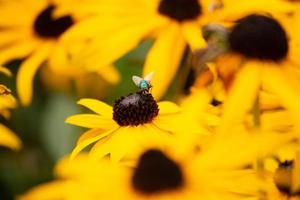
x=214, y=172
x=34, y=34
x=7, y=102
x=174, y=24
x=263, y=53
x=133, y=122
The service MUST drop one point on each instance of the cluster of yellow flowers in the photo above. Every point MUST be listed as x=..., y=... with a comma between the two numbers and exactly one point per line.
x=233, y=134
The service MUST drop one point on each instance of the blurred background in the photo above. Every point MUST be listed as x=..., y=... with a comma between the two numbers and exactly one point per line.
x=41, y=128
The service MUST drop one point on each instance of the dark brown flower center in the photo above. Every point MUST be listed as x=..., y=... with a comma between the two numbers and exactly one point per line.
x=180, y=10
x=135, y=109
x=283, y=179
x=45, y=26
x=156, y=172
x=259, y=37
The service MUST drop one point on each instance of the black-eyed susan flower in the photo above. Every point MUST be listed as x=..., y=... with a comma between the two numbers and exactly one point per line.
x=135, y=121
x=263, y=51
x=173, y=23
x=214, y=172
x=35, y=36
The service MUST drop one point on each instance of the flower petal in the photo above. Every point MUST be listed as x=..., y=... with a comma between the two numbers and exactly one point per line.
x=27, y=71
x=228, y=151
x=193, y=34
x=110, y=74
x=276, y=81
x=8, y=138
x=91, y=121
x=164, y=58
x=167, y=107
x=52, y=190
x=241, y=96
x=5, y=71
x=89, y=134
x=97, y=106
x=84, y=143
x=244, y=8
x=102, y=51
x=15, y=51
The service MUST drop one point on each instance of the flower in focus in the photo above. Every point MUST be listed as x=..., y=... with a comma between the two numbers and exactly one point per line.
x=135, y=121
x=35, y=35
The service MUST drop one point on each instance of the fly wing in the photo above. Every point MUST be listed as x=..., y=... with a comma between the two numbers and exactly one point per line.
x=149, y=77
x=137, y=80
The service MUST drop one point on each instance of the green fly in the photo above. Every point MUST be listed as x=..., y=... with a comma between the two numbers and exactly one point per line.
x=143, y=83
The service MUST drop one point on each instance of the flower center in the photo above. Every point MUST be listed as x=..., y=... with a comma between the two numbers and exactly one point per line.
x=45, y=26
x=283, y=178
x=259, y=37
x=155, y=172
x=180, y=10
x=135, y=109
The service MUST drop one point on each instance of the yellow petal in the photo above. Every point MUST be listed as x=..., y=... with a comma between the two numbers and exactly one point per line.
x=27, y=71
x=193, y=34
x=122, y=144
x=11, y=36
x=84, y=143
x=7, y=102
x=17, y=51
x=97, y=106
x=167, y=107
x=102, y=51
x=110, y=74
x=5, y=71
x=89, y=134
x=8, y=138
x=241, y=96
x=276, y=81
x=53, y=190
x=58, y=60
x=91, y=121
x=101, y=149
x=164, y=58
x=244, y=8
x=239, y=148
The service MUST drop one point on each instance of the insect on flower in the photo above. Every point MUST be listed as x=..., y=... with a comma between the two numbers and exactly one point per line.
x=143, y=83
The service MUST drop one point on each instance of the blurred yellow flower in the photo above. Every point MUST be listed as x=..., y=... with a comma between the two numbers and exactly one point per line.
x=35, y=34
x=173, y=23
x=214, y=172
x=263, y=55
